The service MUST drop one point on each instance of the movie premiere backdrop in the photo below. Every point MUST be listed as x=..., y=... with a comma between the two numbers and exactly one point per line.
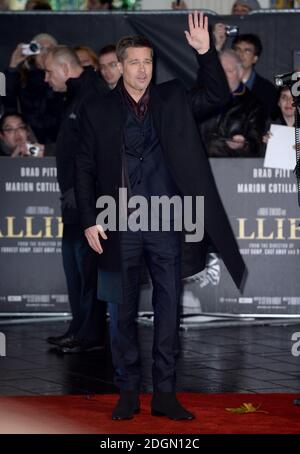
x=262, y=207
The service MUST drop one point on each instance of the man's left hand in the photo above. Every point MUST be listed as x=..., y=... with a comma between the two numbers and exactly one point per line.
x=198, y=36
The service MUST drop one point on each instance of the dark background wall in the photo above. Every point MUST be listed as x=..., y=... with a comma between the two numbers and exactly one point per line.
x=280, y=34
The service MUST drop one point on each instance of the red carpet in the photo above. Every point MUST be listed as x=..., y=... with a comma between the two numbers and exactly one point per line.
x=78, y=414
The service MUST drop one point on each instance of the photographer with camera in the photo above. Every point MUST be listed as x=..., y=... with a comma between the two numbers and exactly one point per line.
x=27, y=92
x=16, y=138
x=221, y=32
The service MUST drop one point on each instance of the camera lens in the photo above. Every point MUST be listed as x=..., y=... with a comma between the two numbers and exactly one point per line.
x=34, y=47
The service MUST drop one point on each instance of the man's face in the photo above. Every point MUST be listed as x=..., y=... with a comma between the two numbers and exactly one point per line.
x=234, y=74
x=14, y=132
x=109, y=68
x=240, y=10
x=285, y=103
x=137, y=68
x=246, y=52
x=56, y=74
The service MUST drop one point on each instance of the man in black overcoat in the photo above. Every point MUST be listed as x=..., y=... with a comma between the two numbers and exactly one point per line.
x=87, y=330
x=143, y=137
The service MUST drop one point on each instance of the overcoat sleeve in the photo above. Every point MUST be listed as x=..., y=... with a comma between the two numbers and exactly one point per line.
x=211, y=92
x=85, y=183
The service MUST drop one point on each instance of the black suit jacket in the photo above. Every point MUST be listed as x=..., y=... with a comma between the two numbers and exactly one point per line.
x=86, y=85
x=243, y=115
x=98, y=162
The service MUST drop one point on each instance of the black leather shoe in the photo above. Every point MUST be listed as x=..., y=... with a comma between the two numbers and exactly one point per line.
x=59, y=340
x=166, y=404
x=297, y=401
x=80, y=346
x=127, y=406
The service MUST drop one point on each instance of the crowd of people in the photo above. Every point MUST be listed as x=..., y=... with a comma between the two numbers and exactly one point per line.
x=45, y=5
x=239, y=7
x=32, y=102
x=238, y=130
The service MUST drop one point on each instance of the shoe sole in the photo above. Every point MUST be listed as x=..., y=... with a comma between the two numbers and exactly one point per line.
x=136, y=412
x=52, y=342
x=159, y=413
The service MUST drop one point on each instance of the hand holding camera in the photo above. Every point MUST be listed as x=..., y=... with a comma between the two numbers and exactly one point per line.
x=33, y=48
x=17, y=56
x=35, y=150
x=23, y=51
x=221, y=32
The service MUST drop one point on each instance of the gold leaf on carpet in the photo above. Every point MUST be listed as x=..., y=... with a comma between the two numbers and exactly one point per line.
x=246, y=408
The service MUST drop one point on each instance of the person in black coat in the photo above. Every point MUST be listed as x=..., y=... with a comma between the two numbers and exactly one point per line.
x=27, y=91
x=249, y=49
x=87, y=329
x=144, y=138
x=237, y=130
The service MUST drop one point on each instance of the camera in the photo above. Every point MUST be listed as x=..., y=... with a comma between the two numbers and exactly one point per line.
x=292, y=81
x=232, y=30
x=32, y=48
x=32, y=149
x=287, y=79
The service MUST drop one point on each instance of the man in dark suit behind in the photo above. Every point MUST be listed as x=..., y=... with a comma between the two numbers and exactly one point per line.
x=86, y=332
x=144, y=137
x=249, y=49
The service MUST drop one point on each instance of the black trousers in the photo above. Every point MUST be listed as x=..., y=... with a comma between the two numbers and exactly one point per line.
x=80, y=266
x=161, y=251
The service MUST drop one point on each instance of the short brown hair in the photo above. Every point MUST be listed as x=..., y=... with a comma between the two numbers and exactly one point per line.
x=109, y=49
x=131, y=41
